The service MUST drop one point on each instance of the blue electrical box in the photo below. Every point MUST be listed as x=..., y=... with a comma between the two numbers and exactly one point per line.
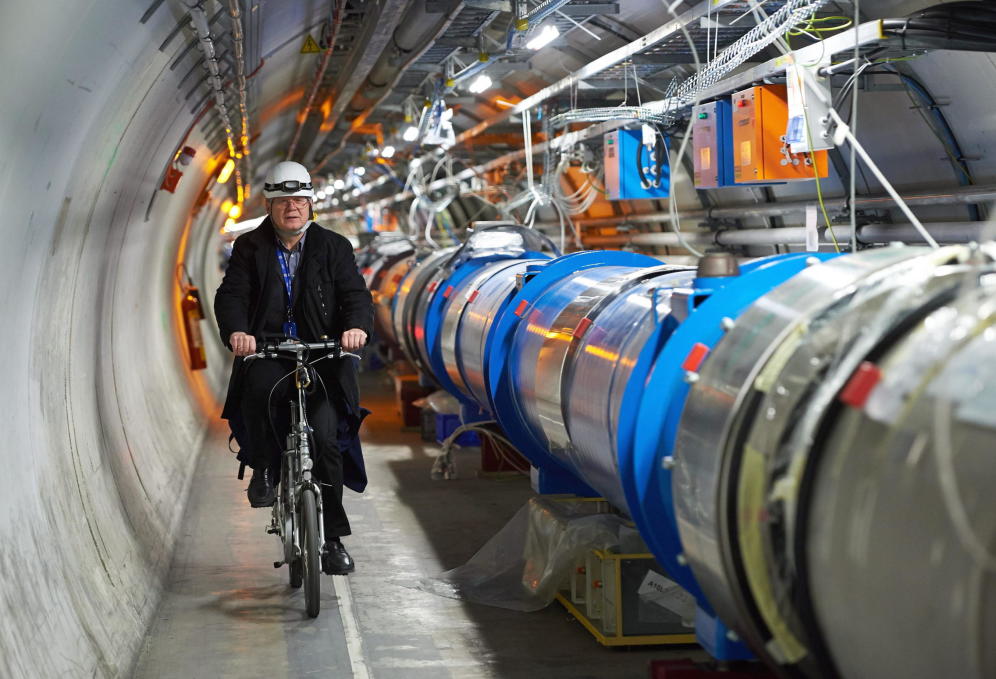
x=712, y=145
x=623, y=149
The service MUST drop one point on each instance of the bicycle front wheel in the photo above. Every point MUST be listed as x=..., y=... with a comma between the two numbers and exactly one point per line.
x=311, y=552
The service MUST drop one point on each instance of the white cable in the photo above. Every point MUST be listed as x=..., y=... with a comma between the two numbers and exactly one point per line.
x=672, y=201
x=854, y=127
x=842, y=132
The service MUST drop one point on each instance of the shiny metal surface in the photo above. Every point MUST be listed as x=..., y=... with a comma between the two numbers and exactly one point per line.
x=457, y=312
x=794, y=395
x=602, y=366
x=478, y=318
x=409, y=291
x=720, y=404
x=543, y=341
x=383, y=297
x=419, y=312
x=901, y=529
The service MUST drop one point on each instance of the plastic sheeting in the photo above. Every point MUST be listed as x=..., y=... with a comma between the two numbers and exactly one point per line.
x=529, y=560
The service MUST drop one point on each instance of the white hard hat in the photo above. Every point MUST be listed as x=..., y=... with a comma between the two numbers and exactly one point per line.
x=288, y=179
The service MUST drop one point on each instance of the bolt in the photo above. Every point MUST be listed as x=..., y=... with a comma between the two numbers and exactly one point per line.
x=681, y=559
x=727, y=323
x=667, y=462
x=691, y=377
x=732, y=636
x=810, y=261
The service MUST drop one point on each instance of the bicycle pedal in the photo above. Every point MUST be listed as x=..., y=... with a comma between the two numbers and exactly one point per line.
x=278, y=564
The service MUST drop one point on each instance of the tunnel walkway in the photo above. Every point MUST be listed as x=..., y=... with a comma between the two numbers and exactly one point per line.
x=227, y=613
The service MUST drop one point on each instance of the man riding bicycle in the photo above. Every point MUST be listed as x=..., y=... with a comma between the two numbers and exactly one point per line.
x=290, y=277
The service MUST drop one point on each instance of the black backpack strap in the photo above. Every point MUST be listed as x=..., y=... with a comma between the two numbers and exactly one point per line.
x=242, y=471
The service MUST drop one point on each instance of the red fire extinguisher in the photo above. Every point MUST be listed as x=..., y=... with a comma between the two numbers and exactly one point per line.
x=192, y=312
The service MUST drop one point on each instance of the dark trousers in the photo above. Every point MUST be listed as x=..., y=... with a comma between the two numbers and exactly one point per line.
x=272, y=381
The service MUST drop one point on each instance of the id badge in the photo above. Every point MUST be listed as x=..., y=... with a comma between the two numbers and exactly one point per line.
x=290, y=329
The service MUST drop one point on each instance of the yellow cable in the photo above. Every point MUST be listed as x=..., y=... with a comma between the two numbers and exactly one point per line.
x=819, y=197
x=810, y=26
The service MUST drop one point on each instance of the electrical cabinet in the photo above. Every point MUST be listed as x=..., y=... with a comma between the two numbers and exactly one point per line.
x=622, y=151
x=760, y=152
x=711, y=145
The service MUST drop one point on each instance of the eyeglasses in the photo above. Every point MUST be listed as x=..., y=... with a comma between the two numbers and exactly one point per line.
x=296, y=201
x=288, y=186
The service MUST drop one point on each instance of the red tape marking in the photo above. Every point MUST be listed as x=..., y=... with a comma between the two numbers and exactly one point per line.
x=695, y=357
x=521, y=309
x=857, y=390
x=582, y=327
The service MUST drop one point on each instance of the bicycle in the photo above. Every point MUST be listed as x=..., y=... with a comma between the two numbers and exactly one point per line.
x=297, y=511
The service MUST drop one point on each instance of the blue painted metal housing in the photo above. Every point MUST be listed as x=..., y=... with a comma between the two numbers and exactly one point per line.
x=587, y=342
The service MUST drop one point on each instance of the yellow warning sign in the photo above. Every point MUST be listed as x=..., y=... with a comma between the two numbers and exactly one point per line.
x=310, y=46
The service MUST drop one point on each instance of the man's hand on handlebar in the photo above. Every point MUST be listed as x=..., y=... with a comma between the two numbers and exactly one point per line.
x=242, y=344
x=353, y=339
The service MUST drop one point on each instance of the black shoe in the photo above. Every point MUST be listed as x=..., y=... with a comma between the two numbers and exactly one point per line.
x=261, y=492
x=336, y=560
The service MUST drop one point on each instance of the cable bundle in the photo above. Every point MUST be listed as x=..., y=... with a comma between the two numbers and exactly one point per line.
x=969, y=26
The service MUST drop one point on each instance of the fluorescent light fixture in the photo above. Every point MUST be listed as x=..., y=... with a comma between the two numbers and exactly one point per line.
x=335, y=201
x=410, y=133
x=546, y=35
x=338, y=184
x=321, y=194
x=226, y=171
x=481, y=83
x=387, y=152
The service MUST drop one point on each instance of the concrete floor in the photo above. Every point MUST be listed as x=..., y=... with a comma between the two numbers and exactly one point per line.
x=227, y=613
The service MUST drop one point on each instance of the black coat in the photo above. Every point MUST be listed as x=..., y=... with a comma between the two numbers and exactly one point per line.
x=330, y=297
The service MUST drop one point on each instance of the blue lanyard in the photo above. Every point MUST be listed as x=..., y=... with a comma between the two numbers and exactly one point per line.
x=288, y=282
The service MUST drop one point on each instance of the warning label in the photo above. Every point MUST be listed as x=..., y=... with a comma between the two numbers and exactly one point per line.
x=310, y=46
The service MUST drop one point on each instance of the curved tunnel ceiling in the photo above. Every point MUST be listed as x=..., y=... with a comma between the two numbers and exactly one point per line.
x=103, y=418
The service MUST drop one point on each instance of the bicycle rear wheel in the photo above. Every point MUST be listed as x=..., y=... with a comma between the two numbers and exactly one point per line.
x=310, y=552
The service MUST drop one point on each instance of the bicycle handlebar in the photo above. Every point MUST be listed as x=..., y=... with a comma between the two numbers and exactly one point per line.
x=294, y=349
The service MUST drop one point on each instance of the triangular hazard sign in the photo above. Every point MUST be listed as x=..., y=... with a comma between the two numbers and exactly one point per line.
x=310, y=46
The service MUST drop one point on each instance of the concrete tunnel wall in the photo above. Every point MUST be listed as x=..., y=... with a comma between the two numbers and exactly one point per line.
x=102, y=421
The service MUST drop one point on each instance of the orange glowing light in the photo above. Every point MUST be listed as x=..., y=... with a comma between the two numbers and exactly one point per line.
x=226, y=171
x=226, y=206
x=235, y=211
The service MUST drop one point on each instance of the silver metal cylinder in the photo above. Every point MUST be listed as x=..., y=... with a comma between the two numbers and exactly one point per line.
x=544, y=342
x=493, y=294
x=601, y=369
x=901, y=523
x=756, y=414
x=410, y=290
x=721, y=403
x=460, y=310
x=383, y=298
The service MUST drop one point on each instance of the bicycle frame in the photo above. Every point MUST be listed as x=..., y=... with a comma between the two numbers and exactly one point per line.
x=296, y=478
x=296, y=474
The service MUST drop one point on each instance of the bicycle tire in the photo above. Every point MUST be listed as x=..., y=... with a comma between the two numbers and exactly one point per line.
x=311, y=552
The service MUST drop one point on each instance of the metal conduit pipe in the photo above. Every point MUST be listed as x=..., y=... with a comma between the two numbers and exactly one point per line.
x=199, y=22
x=958, y=196
x=238, y=47
x=416, y=32
x=943, y=232
x=316, y=85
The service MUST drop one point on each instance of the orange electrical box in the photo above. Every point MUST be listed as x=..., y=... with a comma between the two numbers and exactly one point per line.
x=760, y=154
